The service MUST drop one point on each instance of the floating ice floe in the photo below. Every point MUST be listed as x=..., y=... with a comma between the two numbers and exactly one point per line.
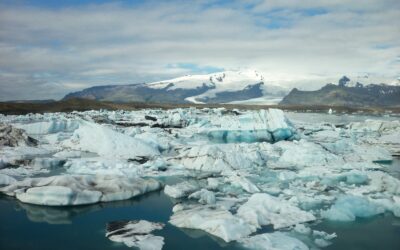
x=353, y=152
x=204, y=196
x=300, y=154
x=223, y=157
x=264, y=125
x=272, y=241
x=136, y=233
x=13, y=157
x=66, y=190
x=214, y=220
x=6, y=180
x=54, y=124
x=182, y=189
x=241, y=170
x=347, y=208
x=107, y=142
x=263, y=209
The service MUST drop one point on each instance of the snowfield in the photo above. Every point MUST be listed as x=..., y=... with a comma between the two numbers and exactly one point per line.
x=224, y=82
x=242, y=170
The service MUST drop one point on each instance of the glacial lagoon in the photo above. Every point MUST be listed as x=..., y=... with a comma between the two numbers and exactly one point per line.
x=26, y=226
x=35, y=226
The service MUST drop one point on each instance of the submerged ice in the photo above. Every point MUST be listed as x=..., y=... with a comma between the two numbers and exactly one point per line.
x=232, y=173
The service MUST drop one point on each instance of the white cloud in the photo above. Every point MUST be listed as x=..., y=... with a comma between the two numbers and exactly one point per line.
x=51, y=51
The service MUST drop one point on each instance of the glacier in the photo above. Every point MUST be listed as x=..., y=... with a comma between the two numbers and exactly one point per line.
x=231, y=173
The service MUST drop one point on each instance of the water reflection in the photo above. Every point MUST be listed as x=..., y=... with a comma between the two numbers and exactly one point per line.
x=65, y=214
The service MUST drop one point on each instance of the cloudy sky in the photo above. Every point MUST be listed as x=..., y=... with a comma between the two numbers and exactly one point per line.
x=49, y=48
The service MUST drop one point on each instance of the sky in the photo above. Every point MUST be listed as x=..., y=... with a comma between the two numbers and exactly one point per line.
x=51, y=48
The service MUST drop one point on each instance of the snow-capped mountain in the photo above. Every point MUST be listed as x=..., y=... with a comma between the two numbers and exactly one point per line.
x=365, y=81
x=222, y=87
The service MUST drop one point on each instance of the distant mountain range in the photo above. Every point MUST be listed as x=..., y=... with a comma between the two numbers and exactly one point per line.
x=246, y=87
x=347, y=93
x=222, y=87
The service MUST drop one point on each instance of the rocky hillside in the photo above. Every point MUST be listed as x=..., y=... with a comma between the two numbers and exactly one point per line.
x=347, y=93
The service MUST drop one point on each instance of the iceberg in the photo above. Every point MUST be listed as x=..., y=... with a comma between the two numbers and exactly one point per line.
x=53, y=124
x=347, y=208
x=302, y=153
x=263, y=209
x=223, y=157
x=6, y=180
x=240, y=170
x=257, y=126
x=273, y=241
x=67, y=190
x=182, y=189
x=353, y=152
x=213, y=220
x=107, y=142
x=136, y=234
x=204, y=196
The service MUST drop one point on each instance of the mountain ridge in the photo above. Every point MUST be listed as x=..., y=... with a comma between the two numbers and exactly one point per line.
x=221, y=87
x=347, y=93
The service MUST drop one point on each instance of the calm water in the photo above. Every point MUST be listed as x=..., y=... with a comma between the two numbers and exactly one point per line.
x=26, y=226
x=379, y=232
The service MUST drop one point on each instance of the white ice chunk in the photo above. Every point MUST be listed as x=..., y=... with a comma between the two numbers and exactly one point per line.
x=54, y=125
x=107, y=142
x=6, y=180
x=58, y=196
x=302, y=153
x=263, y=209
x=273, y=241
x=224, y=157
x=347, y=208
x=136, y=234
x=181, y=189
x=214, y=220
x=65, y=190
x=204, y=196
x=373, y=126
x=244, y=183
x=263, y=125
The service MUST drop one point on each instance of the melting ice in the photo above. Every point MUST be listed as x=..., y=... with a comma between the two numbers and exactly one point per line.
x=242, y=170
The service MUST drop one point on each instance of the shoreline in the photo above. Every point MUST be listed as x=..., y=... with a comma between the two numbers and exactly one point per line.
x=21, y=108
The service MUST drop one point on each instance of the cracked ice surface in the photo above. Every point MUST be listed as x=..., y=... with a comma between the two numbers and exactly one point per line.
x=239, y=171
